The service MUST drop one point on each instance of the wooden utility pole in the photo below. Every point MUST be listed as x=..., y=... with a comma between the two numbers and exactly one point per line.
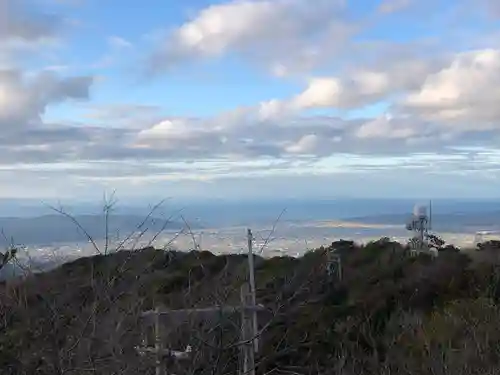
x=158, y=344
x=248, y=334
x=249, y=325
x=251, y=279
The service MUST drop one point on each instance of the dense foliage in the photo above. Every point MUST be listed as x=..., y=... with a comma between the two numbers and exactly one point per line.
x=391, y=313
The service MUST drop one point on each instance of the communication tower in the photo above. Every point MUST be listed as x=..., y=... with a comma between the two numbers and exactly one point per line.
x=334, y=265
x=420, y=224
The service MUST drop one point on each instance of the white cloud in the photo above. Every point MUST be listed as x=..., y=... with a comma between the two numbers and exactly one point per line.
x=175, y=130
x=492, y=7
x=359, y=87
x=372, y=83
x=119, y=42
x=17, y=22
x=267, y=30
x=436, y=100
x=220, y=27
x=321, y=92
x=464, y=94
x=26, y=95
x=24, y=31
x=305, y=145
x=24, y=99
x=387, y=127
x=278, y=69
x=272, y=109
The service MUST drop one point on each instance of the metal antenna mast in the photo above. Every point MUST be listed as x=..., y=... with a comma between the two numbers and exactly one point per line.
x=430, y=215
x=420, y=225
x=334, y=265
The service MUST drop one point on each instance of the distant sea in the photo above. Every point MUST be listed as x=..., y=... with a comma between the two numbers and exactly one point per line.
x=244, y=213
x=234, y=213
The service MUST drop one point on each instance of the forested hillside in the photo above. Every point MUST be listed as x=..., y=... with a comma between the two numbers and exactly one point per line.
x=389, y=314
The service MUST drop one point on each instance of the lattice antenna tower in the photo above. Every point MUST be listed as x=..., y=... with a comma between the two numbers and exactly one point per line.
x=420, y=224
x=334, y=265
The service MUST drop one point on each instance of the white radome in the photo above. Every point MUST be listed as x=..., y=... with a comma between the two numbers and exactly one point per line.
x=420, y=211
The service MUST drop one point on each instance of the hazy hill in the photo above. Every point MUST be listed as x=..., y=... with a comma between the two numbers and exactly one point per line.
x=236, y=212
x=49, y=229
x=390, y=313
x=246, y=213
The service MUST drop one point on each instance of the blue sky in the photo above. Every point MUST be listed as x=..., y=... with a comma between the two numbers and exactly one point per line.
x=250, y=98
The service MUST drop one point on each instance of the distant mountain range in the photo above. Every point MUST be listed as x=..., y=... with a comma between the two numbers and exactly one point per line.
x=56, y=228
x=448, y=222
x=214, y=212
x=28, y=225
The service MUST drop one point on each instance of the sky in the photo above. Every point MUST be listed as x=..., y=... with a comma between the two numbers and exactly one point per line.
x=249, y=99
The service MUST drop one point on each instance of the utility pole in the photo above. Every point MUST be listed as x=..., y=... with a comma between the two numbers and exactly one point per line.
x=249, y=327
x=158, y=344
x=247, y=333
x=251, y=272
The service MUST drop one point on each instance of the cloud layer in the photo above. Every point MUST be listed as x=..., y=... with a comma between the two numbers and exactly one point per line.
x=362, y=103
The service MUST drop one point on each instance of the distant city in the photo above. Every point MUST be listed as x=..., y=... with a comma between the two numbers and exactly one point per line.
x=48, y=238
